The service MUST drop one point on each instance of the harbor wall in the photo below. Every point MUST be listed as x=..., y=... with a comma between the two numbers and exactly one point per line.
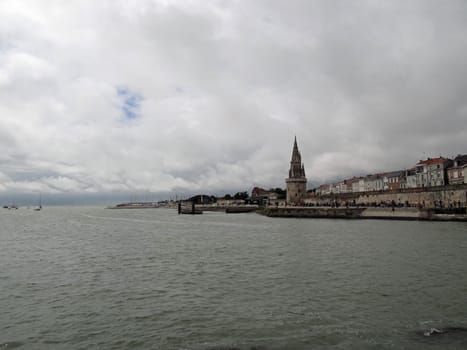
x=445, y=196
x=389, y=213
x=307, y=212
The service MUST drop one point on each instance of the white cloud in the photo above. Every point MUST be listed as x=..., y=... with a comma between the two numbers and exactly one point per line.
x=224, y=87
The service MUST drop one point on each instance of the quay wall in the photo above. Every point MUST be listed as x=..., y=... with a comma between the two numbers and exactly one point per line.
x=396, y=213
x=307, y=212
x=418, y=197
x=310, y=212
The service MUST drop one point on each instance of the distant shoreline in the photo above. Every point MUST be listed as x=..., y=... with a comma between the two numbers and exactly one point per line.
x=385, y=213
x=135, y=206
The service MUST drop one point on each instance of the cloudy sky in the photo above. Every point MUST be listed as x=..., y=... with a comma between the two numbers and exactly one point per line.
x=119, y=96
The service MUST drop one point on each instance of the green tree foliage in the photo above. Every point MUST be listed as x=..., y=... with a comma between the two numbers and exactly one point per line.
x=241, y=195
x=281, y=194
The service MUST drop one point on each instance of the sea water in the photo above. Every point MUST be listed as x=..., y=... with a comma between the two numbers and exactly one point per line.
x=91, y=278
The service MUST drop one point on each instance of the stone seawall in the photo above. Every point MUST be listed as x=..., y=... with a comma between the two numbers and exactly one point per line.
x=418, y=197
x=362, y=213
x=306, y=212
x=396, y=213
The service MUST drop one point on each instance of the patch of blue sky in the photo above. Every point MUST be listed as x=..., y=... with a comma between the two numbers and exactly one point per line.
x=131, y=103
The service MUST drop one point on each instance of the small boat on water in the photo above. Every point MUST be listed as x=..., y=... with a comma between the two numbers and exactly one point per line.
x=40, y=204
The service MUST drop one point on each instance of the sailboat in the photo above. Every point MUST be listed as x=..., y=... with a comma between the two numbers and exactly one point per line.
x=40, y=203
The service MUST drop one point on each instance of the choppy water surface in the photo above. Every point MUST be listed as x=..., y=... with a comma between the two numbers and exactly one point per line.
x=90, y=278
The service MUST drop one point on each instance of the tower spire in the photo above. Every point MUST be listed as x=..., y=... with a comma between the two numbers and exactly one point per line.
x=296, y=166
x=296, y=182
x=296, y=156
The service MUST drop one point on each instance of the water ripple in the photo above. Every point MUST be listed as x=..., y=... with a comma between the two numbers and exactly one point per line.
x=89, y=278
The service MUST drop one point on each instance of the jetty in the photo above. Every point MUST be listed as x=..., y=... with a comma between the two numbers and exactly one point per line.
x=135, y=205
x=241, y=209
x=188, y=210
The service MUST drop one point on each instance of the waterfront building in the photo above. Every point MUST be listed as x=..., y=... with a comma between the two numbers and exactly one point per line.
x=411, y=178
x=374, y=182
x=262, y=196
x=258, y=193
x=296, y=182
x=395, y=180
x=457, y=174
x=352, y=184
x=323, y=189
x=360, y=185
x=432, y=172
x=230, y=202
x=348, y=185
x=339, y=187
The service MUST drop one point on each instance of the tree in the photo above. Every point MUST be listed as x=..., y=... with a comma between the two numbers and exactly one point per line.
x=241, y=195
x=227, y=196
x=281, y=194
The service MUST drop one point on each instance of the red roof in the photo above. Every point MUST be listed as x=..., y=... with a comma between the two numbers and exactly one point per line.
x=258, y=191
x=430, y=161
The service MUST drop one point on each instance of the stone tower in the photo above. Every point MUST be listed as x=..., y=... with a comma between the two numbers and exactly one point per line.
x=296, y=182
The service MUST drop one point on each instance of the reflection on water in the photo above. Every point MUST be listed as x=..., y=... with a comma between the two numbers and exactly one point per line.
x=90, y=278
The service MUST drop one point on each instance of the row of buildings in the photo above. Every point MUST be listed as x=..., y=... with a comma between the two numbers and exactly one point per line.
x=431, y=172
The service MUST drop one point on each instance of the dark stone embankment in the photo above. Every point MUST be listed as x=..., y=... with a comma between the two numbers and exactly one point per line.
x=362, y=213
x=134, y=206
x=316, y=212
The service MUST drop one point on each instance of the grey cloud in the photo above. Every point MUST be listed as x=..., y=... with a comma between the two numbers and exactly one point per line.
x=366, y=86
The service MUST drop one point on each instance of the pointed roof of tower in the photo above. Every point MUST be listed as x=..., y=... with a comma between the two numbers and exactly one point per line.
x=296, y=156
x=297, y=169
